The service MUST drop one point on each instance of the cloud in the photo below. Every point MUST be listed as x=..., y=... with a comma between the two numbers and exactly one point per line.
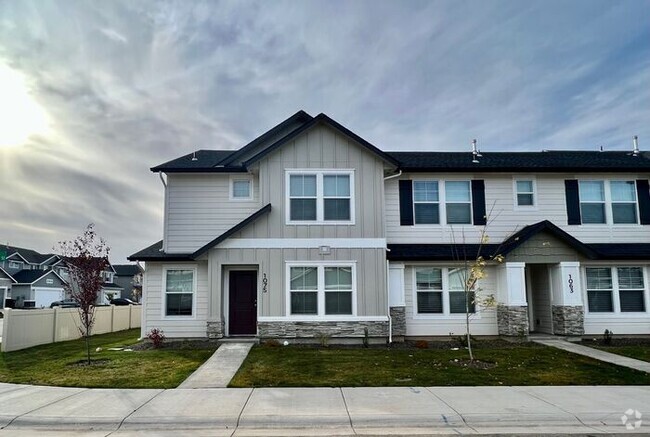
x=128, y=85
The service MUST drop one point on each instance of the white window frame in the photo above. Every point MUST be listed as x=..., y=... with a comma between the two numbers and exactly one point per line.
x=16, y=264
x=231, y=190
x=428, y=202
x=442, y=201
x=609, y=213
x=515, y=192
x=163, y=291
x=320, y=198
x=446, y=307
x=616, y=302
x=320, y=265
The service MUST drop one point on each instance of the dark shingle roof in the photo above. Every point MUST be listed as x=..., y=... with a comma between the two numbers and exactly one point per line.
x=111, y=285
x=127, y=269
x=155, y=253
x=550, y=161
x=206, y=161
x=30, y=255
x=29, y=276
x=622, y=251
x=439, y=252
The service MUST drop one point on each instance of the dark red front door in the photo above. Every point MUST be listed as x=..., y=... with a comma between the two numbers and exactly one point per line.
x=243, y=302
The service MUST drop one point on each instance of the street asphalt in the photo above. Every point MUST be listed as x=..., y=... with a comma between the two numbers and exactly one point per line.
x=27, y=410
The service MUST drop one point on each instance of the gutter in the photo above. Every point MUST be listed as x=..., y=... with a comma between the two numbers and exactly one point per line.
x=393, y=176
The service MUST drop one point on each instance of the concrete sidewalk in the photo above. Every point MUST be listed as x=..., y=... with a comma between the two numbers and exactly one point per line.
x=322, y=411
x=597, y=354
x=219, y=369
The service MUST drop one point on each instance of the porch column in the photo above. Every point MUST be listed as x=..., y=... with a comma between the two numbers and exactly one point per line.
x=568, y=307
x=512, y=308
x=396, y=301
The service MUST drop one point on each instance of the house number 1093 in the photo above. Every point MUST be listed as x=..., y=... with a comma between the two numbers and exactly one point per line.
x=570, y=281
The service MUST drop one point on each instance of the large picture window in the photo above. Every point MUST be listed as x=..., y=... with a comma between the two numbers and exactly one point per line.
x=321, y=289
x=616, y=289
x=320, y=197
x=179, y=292
x=442, y=291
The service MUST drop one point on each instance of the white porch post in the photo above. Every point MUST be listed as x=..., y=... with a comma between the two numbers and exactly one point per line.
x=568, y=305
x=396, y=300
x=512, y=308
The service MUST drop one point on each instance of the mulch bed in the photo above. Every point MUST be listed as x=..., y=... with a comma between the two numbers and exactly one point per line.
x=177, y=345
x=622, y=341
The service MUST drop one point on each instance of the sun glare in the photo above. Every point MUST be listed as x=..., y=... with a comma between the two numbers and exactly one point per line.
x=20, y=116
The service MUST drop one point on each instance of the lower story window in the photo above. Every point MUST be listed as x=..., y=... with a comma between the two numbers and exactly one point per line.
x=179, y=292
x=433, y=284
x=624, y=285
x=321, y=290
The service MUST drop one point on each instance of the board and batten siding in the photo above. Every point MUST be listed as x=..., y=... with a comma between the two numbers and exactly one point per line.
x=508, y=219
x=153, y=302
x=199, y=209
x=484, y=323
x=370, y=272
x=321, y=148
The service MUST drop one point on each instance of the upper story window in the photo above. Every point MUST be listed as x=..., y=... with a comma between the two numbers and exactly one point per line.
x=320, y=197
x=427, y=202
x=525, y=192
x=442, y=291
x=608, y=202
x=619, y=289
x=15, y=265
x=241, y=188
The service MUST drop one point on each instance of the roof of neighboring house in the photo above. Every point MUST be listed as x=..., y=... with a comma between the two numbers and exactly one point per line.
x=3, y=271
x=127, y=269
x=31, y=276
x=29, y=255
x=550, y=161
x=226, y=161
x=111, y=285
x=155, y=253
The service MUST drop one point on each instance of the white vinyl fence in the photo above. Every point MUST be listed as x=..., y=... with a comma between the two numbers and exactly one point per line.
x=27, y=328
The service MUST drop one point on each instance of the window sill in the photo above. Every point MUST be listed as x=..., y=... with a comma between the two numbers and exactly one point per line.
x=323, y=223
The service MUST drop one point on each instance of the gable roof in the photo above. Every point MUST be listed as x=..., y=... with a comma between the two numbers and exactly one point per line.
x=28, y=255
x=206, y=161
x=155, y=253
x=324, y=119
x=550, y=161
x=7, y=274
x=127, y=269
x=28, y=277
x=527, y=232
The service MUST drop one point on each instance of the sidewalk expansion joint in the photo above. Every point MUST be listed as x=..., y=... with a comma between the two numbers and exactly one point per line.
x=454, y=410
x=43, y=406
x=242, y=412
x=347, y=410
x=133, y=412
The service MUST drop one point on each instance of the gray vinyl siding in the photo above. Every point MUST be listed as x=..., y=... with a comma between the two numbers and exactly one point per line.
x=370, y=270
x=179, y=327
x=199, y=209
x=42, y=283
x=484, y=323
x=321, y=148
x=21, y=293
x=508, y=219
x=543, y=248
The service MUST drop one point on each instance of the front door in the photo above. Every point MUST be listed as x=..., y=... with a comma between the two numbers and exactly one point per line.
x=243, y=302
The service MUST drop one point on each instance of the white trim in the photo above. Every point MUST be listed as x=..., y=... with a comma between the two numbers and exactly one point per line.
x=243, y=177
x=324, y=319
x=22, y=264
x=446, y=314
x=320, y=266
x=11, y=278
x=607, y=201
x=615, y=291
x=225, y=289
x=303, y=243
x=442, y=200
x=17, y=253
x=163, y=297
x=515, y=193
x=320, y=198
x=3, y=292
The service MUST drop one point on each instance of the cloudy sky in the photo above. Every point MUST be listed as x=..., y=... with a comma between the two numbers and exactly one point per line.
x=92, y=94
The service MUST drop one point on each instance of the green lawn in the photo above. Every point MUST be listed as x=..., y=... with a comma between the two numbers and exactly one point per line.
x=50, y=364
x=517, y=364
x=639, y=352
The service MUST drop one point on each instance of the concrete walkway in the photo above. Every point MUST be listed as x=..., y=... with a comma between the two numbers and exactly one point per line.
x=219, y=369
x=597, y=354
x=25, y=410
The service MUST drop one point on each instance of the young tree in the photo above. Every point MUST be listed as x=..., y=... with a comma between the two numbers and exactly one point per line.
x=86, y=258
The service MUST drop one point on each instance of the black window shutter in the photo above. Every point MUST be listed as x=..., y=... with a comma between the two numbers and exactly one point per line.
x=406, y=203
x=478, y=201
x=572, y=201
x=643, y=193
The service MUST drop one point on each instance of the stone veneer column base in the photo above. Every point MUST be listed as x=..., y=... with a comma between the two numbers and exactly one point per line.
x=512, y=320
x=215, y=329
x=398, y=322
x=316, y=329
x=568, y=320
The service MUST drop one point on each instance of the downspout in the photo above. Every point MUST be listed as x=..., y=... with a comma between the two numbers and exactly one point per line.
x=390, y=319
x=162, y=179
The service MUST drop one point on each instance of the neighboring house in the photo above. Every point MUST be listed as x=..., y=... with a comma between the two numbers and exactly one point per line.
x=310, y=230
x=32, y=279
x=129, y=278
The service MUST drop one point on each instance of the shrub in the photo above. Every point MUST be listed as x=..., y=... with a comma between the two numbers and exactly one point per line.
x=157, y=337
x=366, y=338
x=271, y=343
x=422, y=344
x=607, y=336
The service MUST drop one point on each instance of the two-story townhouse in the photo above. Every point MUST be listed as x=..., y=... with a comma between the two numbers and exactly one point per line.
x=309, y=231
x=32, y=279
